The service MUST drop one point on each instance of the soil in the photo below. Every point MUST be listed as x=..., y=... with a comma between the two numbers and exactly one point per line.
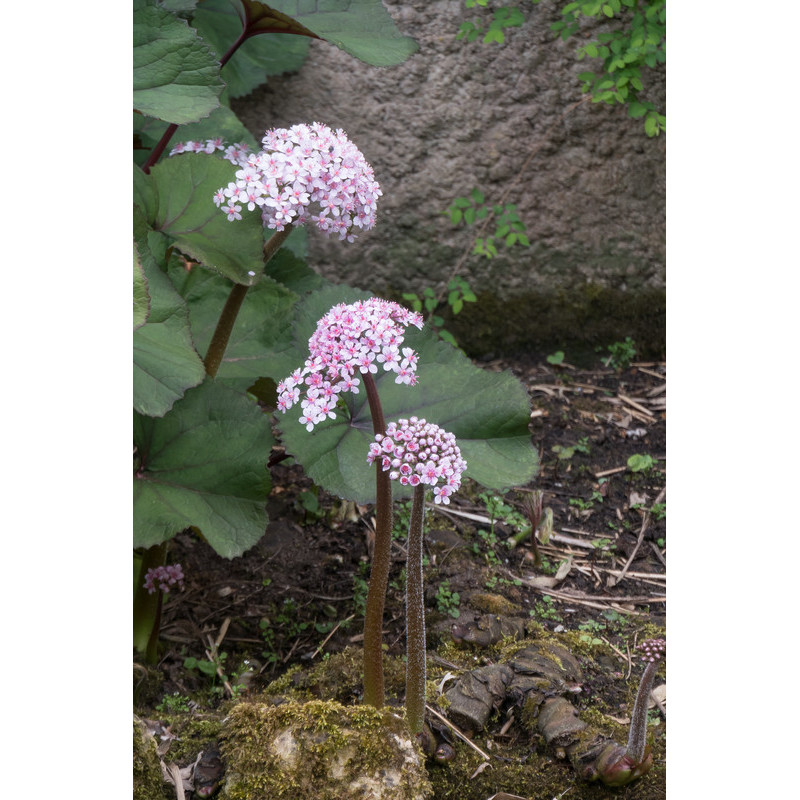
x=298, y=594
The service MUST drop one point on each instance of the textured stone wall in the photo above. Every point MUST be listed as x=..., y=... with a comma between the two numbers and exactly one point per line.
x=458, y=115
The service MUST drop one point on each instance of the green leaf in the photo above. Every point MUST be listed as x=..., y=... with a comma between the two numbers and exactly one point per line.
x=165, y=363
x=362, y=28
x=263, y=330
x=141, y=299
x=203, y=465
x=144, y=195
x=487, y=412
x=259, y=57
x=222, y=123
x=185, y=185
x=175, y=74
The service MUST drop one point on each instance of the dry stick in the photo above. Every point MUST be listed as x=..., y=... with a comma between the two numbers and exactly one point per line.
x=175, y=773
x=645, y=525
x=325, y=640
x=457, y=732
x=490, y=216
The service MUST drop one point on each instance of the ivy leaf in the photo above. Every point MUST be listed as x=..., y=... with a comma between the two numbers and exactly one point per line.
x=175, y=74
x=184, y=186
x=203, y=465
x=165, y=363
x=487, y=412
x=362, y=28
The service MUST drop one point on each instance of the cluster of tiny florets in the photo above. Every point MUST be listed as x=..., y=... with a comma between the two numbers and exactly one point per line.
x=652, y=649
x=350, y=339
x=299, y=166
x=163, y=578
x=418, y=452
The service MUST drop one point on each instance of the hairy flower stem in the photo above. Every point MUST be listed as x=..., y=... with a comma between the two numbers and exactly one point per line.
x=415, y=617
x=637, y=737
x=381, y=561
x=227, y=319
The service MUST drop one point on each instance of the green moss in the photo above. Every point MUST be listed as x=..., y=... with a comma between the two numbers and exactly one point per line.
x=339, y=678
x=318, y=749
x=148, y=783
x=493, y=603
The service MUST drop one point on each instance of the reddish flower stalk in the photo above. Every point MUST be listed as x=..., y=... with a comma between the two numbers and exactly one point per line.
x=352, y=340
x=417, y=454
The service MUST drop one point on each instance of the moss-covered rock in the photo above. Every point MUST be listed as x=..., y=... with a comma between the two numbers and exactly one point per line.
x=320, y=749
x=148, y=783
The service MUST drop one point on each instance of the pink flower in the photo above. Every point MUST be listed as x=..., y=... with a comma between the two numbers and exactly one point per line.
x=349, y=339
x=298, y=166
x=163, y=578
x=430, y=456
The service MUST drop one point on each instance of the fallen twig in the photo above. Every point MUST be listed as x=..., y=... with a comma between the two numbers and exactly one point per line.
x=457, y=732
x=613, y=581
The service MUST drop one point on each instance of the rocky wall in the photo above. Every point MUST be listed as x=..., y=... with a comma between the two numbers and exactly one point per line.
x=458, y=115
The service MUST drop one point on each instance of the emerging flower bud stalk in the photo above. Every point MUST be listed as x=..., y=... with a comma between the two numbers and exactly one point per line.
x=618, y=766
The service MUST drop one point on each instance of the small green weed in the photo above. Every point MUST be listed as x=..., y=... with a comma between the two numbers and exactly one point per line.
x=621, y=354
x=458, y=293
x=447, y=601
x=496, y=581
x=641, y=462
x=173, y=704
x=556, y=359
x=545, y=609
x=585, y=505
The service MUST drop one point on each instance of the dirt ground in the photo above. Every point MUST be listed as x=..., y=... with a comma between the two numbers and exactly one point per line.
x=299, y=593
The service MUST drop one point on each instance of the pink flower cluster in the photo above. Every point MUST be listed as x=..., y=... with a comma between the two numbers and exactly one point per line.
x=299, y=166
x=418, y=452
x=164, y=577
x=652, y=649
x=350, y=338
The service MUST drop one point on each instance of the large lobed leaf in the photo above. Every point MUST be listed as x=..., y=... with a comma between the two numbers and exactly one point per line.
x=165, y=363
x=362, y=28
x=183, y=187
x=203, y=465
x=175, y=74
x=487, y=412
x=219, y=24
x=263, y=329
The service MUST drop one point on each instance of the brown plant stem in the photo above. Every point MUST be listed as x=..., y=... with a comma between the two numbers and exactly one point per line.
x=146, y=606
x=227, y=319
x=415, y=617
x=637, y=736
x=381, y=562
